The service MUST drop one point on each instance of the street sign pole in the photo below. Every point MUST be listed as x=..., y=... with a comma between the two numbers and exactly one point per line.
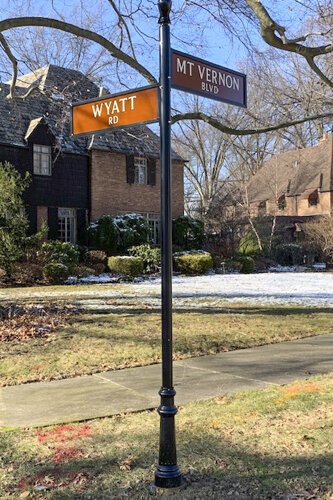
x=167, y=474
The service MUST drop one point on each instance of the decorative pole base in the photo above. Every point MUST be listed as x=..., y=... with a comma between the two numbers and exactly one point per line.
x=168, y=476
x=167, y=473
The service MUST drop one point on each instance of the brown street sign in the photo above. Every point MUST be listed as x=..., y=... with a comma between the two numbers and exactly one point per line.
x=118, y=110
x=206, y=79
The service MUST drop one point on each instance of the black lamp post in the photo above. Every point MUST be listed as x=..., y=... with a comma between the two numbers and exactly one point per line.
x=167, y=474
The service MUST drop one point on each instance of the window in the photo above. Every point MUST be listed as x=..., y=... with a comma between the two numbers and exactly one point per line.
x=282, y=203
x=67, y=224
x=42, y=160
x=313, y=202
x=140, y=170
x=313, y=199
x=154, y=226
x=262, y=207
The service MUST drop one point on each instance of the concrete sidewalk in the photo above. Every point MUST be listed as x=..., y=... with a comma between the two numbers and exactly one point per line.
x=135, y=389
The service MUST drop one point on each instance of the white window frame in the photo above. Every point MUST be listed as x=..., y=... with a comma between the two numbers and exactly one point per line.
x=140, y=170
x=42, y=164
x=67, y=224
x=154, y=222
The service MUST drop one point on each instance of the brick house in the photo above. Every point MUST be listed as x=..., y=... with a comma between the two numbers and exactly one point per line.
x=295, y=184
x=75, y=180
x=292, y=188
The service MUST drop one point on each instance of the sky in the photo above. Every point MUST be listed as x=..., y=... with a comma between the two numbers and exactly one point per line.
x=196, y=36
x=203, y=40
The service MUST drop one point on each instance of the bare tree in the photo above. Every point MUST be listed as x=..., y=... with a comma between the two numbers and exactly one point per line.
x=206, y=151
x=314, y=47
x=237, y=208
x=319, y=235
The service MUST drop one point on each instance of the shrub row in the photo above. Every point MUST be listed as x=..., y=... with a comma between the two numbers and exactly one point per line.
x=186, y=263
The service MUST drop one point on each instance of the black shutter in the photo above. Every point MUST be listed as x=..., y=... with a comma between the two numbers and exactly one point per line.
x=81, y=220
x=151, y=171
x=52, y=222
x=31, y=212
x=130, y=170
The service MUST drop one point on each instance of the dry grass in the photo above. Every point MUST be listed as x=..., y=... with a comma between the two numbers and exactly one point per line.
x=250, y=445
x=99, y=342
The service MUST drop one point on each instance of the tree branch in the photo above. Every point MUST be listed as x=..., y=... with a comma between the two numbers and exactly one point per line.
x=214, y=122
x=13, y=60
x=274, y=35
x=20, y=22
x=318, y=71
x=122, y=22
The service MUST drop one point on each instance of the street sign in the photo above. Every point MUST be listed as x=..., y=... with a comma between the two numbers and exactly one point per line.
x=206, y=79
x=142, y=105
x=118, y=110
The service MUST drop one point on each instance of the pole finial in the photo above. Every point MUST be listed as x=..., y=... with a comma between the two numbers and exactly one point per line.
x=164, y=8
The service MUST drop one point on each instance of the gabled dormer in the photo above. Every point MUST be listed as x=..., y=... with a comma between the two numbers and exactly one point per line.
x=41, y=140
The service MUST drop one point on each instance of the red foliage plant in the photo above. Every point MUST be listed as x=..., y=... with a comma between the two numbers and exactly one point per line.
x=64, y=433
x=64, y=454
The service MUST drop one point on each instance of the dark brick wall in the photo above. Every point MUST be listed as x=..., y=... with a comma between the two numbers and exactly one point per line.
x=68, y=184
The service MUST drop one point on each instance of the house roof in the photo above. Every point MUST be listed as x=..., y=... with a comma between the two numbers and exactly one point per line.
x=32, y=126
x=294, y=172
x=59, y=87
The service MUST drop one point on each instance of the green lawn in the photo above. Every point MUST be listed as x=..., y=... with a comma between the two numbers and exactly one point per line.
x=95, y=341
x=273, y=443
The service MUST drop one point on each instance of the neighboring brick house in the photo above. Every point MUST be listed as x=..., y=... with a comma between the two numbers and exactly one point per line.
x=75, y=180
x=295, y=184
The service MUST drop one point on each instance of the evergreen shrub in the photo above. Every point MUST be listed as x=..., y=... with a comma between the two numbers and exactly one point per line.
x=187, y=233
x=103, y=235
x=55, y=272
x=133, y=230
x=60, y=252
x=247, y=265
x=13, y=218
x=249, y=244
x=151, y=257
x=116, y=234
x=289, y=254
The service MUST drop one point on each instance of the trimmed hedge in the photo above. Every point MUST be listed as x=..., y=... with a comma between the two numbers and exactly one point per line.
x=193, y=263
x=126, y=265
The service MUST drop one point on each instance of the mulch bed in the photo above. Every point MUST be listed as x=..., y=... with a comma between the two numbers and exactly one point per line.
x=21, y=323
